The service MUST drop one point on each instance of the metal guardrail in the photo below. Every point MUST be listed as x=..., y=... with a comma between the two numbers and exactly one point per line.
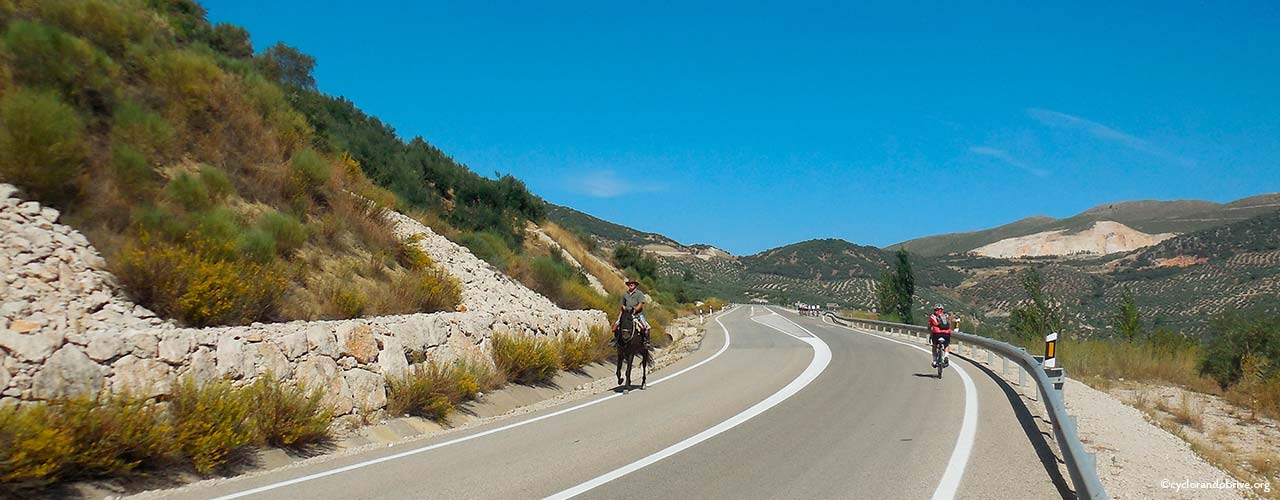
x=1081, y=465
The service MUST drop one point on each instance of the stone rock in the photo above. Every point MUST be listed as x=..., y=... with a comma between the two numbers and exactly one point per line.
x=321, y=339
x=230, y=358
x=369, y=389
x=23, y=326
x=35, y=347
x=142, y=377
x=322, y=372
x=175, y=345
x=4, y=373
x=271, y=360
x=204, y=365
x=358, y=342
x=294, y=345
x=105, y=345
x=347, y=362
x=142, y=344
x=391, y=360
x=67, y=373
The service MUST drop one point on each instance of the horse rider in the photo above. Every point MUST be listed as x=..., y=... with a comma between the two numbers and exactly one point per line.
x=633, y=300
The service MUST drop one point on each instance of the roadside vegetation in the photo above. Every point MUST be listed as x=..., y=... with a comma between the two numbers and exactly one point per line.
x=201, y=426
x=1238, y=359
x=173, y=146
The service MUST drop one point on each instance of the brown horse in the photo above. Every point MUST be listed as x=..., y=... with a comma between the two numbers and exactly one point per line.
x=631, y=342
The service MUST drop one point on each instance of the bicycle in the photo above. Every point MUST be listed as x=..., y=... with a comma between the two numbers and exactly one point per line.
x=940, y=358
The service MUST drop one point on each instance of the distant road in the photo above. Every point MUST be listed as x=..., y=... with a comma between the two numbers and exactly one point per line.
x=790, y=408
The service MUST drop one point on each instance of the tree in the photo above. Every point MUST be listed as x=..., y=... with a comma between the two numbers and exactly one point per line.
x=1127, y=322
x=904, y=283
x=288, y=66
x=1239, y=343
x=886, y=296
x=1038, y=315
x=232, y=40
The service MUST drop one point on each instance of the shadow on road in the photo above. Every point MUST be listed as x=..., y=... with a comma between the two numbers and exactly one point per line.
x=926, y=375
x=1046, y=452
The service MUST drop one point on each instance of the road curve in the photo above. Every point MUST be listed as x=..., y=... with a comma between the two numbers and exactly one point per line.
x=871, y=423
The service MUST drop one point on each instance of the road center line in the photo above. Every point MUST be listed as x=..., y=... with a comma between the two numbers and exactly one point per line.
x=521, y=423
x=950, y=482
x=821, y=358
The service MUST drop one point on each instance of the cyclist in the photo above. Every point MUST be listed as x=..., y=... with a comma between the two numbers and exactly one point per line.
x=940, y=328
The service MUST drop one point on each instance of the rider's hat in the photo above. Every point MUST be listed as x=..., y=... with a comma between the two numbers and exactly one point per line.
x=631, y=281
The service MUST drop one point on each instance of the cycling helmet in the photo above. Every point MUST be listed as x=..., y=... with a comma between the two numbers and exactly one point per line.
x=937, y=307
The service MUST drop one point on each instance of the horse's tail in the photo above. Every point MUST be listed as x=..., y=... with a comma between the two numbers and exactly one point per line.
x=646, y=356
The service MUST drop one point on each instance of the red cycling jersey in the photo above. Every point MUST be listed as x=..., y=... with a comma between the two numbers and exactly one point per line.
x=937, y=323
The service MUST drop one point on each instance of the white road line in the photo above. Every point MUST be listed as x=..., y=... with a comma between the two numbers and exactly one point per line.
x=821, y=358
x=522, y=423
x=968, y=427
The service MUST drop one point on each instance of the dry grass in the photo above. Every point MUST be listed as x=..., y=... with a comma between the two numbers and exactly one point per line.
x=526, y=359
x=577, y=351
x=433, y=390
x=613, y=281
x=1188, y=412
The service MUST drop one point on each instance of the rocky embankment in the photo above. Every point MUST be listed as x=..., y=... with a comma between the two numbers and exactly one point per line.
x=67, y=330
x=1103, y=238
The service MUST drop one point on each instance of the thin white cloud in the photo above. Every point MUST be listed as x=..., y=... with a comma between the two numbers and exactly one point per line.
x=607, y=183
x=1004, y=156
x=1057, y=119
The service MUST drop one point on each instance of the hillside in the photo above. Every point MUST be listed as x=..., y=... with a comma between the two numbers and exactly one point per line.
x=603, y=230
x=1148, y=216
x=220, y=185
x=1179, y=283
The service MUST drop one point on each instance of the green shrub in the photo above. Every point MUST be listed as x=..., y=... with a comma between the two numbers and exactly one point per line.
x=199, y=191
x=141, y=129
x=45, y=56
x=309, y=171
x=186, y=284
x=111, y=24
x=432, y=390
x=257, y=245
x=286, y=231
x=33, y=453
x=349, y=303
x=411, y=256
x=187, y=79
x=130, y=170
x=289, y=416
x=209, y=421
x=114, y=434
x=525, y=359
x=489, y=246
x=1235, y=336
x=42, y=147
x=424, y=290
x=577, y=351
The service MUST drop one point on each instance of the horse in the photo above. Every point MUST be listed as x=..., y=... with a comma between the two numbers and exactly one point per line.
x=630, y=344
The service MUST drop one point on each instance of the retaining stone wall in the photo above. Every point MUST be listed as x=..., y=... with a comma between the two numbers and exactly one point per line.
x=67, y=330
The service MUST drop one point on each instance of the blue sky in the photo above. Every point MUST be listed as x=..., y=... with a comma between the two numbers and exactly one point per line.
x=750, y=126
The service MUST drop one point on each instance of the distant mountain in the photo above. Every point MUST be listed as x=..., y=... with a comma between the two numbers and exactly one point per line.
x=604, y=230
x=1231, y=261
x=1148, y=216
x=1180, y=283
x=610, y=234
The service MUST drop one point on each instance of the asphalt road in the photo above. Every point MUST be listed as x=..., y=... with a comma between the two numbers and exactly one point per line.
x=790, y=408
